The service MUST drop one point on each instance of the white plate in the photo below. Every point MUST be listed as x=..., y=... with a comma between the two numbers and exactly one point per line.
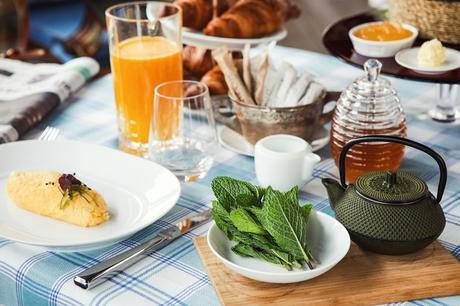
x=328, y=240
x=138, y=193
x=235, y=142
x=408, y=59
x=198, y=39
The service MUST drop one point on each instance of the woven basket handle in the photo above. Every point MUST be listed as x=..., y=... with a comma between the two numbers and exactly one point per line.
x=403, y=141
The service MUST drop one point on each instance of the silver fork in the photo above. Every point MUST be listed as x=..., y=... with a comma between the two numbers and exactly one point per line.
x=49, y=134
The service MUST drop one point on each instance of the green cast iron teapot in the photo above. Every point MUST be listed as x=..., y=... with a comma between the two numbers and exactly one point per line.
x=386, y=212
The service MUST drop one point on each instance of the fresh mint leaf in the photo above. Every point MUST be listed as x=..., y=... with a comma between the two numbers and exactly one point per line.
x=257, y=212
x=284, y=219
x=232, y=193
x=243, y=250
x=285, y=257
x=261, y=193
x=224, y=223
x=249, y=251
x=274, y=248
x=222, y=219
x=263, y=243
x=306, y=209
x=293, y=194
x=260, y=241
x=244, y=222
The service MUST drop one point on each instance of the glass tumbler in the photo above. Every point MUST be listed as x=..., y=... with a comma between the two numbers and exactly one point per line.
x=145, y=50
x=185, y=140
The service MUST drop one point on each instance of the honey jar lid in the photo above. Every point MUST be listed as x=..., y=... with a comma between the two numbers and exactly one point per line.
x=371, y=87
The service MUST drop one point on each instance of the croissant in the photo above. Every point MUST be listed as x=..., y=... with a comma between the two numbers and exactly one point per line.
x=221, y=6
x=215, y=81
x=197, y=61
x=252, y=19
x=197, y=13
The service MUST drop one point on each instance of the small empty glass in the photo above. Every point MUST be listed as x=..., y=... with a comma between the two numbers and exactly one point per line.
x=183, y=135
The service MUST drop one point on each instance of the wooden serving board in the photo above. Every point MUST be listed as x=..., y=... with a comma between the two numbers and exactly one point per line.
x=361, y=278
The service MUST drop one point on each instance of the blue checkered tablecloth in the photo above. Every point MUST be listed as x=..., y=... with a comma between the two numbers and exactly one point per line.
x=175, y=275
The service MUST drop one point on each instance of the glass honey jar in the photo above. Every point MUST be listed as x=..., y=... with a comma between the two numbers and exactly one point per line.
x=369, y=106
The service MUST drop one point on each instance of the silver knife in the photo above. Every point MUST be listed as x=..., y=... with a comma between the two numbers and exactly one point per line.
x=105, y=270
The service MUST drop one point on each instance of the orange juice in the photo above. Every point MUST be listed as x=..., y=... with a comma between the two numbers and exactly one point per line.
x=138, y=65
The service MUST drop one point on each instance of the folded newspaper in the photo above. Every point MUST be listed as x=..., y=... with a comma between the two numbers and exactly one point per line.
x=28, y=92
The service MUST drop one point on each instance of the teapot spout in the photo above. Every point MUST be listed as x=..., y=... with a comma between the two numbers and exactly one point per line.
x=334, y=191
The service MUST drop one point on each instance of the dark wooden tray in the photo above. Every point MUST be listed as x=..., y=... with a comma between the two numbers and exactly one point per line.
x=337, y=42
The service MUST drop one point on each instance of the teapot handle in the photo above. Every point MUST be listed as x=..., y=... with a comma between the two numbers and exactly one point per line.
x=404, y=141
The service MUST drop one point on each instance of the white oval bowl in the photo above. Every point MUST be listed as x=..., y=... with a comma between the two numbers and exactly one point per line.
x=373, y=48
x=327, y=238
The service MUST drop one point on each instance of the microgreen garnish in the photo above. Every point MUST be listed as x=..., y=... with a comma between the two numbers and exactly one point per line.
x=69, y=181
x=70, y=187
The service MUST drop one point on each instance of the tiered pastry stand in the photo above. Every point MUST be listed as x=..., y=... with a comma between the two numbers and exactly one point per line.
x=198, y=39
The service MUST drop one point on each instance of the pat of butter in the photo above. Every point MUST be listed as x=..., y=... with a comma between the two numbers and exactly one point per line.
x=432, y=53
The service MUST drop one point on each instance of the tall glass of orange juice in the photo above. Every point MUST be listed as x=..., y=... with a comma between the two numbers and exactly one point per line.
x=145, y=50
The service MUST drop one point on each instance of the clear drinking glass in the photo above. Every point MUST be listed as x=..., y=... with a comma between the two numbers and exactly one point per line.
x=14, y=25
x=145, y=43
x=445, y=109
x=185, y=144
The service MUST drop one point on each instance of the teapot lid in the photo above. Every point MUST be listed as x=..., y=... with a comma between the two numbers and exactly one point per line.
x=391, y=187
